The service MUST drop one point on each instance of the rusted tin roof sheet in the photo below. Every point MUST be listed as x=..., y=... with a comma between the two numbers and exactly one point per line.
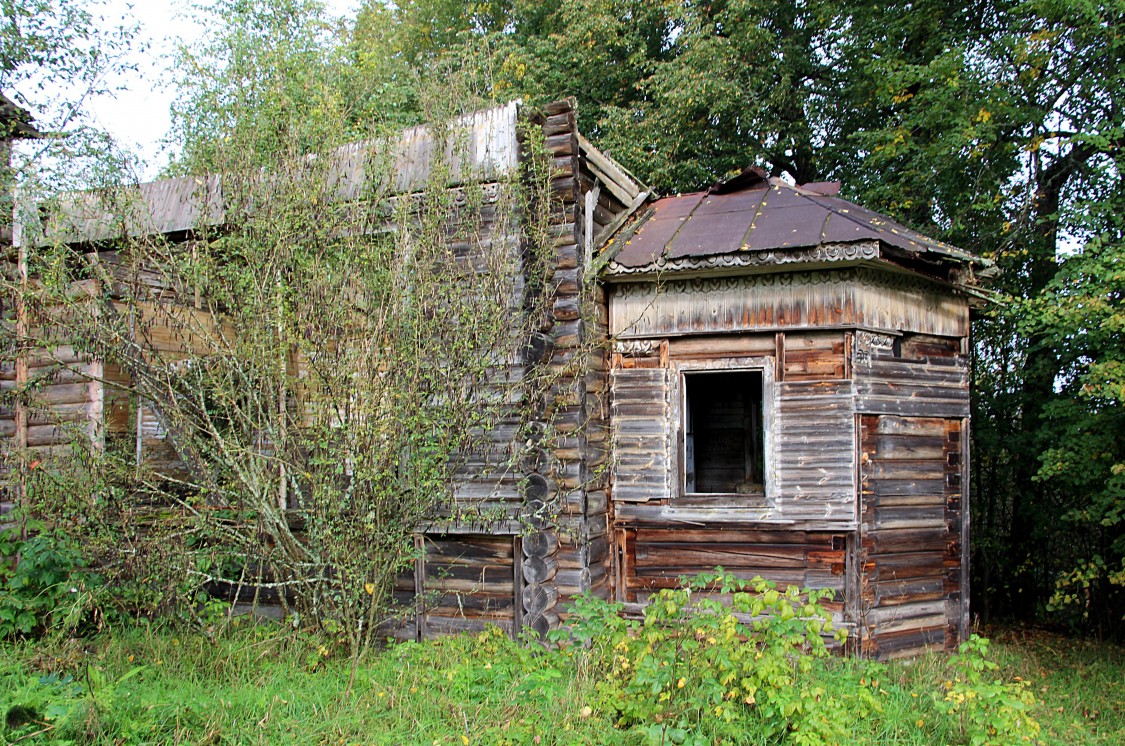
x=751, y=213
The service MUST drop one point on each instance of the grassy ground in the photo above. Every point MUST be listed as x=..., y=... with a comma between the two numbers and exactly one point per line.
x=1080, y=684
x=256, y=685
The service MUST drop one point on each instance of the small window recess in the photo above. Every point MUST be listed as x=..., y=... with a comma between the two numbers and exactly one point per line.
x=724, y=432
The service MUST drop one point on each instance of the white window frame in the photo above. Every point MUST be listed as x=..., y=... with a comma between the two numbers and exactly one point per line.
x=684, y=368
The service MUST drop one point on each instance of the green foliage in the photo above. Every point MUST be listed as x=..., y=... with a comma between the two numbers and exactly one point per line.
x=48, y=586
x=251, y=684
x=56, y=55
x=695, y=672
x=988, y=711
x=69, y=710
x=267, y=80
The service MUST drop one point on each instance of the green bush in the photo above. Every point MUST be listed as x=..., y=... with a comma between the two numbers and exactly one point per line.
x=718, y=660
x=986, y=711
x=48, y=586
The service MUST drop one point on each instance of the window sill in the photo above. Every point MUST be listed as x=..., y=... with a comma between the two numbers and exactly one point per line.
x=756, y=499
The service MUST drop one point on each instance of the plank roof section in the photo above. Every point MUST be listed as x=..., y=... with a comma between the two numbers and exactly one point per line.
x=753, y=213
x=488, y=150
x=15, y=121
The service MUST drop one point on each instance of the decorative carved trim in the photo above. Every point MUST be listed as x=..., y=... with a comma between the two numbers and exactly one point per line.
x=866, y=343
x=871, y=340
x=707, y=285
x=832, y=252
x=703, y=285
x=637, y=347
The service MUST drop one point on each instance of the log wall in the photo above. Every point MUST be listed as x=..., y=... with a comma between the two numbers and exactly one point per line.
x=913, y=404
x=546, y=536
x=865, y=445
x=458, y=583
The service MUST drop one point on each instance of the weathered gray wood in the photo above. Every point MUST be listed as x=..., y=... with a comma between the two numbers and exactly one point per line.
x=517, y=586
x=541, y=624
x=782, y=301
x=640, y=416
x=538, y=570
x=540, y=544
x=537, y=599
x=614, y=175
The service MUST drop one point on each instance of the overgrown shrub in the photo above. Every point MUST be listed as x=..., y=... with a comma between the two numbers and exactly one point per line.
x=49, y=585
x=986, y=711
x=717, y=660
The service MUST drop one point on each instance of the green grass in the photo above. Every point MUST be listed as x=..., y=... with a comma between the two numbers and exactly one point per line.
x=261, y=685
x=1079, y=684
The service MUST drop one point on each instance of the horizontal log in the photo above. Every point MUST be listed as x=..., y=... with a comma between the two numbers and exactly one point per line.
x=465, y=547
x=49, y=435
x=559, y=107
x=436, y=626
x=541, y=624
x=538, y=570
x=538, y=599
x=886, y=542
x=69, y=393
x=560, y=123
x=540, y=544
x=468, y=574
x=59, y=413
x=468, y=604
x=896, y=593
x=563, y=144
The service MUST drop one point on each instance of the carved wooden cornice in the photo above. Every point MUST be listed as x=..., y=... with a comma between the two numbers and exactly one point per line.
x=822, y=254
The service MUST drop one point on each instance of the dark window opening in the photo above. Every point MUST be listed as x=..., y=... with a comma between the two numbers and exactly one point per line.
x=723, y=444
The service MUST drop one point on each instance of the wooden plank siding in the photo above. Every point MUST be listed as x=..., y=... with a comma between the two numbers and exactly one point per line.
x=813, y=455
x=810, y=444
x=770, y=299
x=864, y=453
x=641, y=434
x=911, y=534
x=662, y=557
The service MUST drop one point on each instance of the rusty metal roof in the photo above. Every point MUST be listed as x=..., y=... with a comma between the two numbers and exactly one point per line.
x=753, y=213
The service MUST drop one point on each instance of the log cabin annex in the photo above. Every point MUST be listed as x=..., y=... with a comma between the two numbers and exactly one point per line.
x=780, y=388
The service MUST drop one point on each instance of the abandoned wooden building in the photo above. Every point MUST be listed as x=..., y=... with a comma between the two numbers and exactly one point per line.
x=783, y=391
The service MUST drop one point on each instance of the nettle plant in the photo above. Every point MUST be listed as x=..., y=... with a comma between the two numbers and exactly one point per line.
x=717, y=660
x=326, y=361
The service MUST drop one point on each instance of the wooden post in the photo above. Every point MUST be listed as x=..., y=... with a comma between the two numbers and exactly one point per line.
x=779, y=351
x=420, y=587
x=517, y=586
x=282, y=425
x=22, y=330
x=964, y=621
x=588, y=225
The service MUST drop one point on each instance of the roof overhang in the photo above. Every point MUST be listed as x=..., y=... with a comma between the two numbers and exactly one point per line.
x=753, y=224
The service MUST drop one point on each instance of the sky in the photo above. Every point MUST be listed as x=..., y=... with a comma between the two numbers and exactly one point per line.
x=138, y=115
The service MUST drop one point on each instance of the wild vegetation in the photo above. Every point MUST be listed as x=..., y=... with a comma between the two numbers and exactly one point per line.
x=995, y=125
x=234, y=681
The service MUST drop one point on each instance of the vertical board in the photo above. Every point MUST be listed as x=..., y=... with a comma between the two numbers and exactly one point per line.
x=640, y=408
x=910, y=534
